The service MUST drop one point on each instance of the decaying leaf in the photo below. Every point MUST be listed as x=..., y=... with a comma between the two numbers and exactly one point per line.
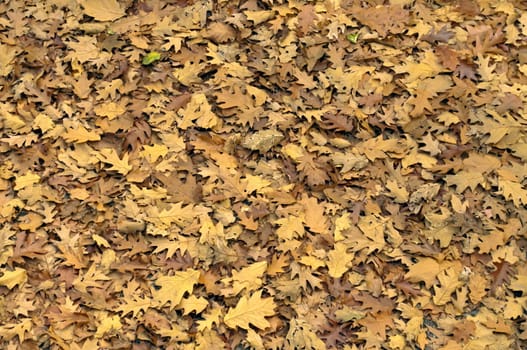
x=262, y=141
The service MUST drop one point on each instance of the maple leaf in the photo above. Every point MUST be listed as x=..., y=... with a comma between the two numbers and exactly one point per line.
x=173, y=288
x=250, y=310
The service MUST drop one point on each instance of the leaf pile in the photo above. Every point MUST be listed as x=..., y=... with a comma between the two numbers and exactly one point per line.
x=263, y=174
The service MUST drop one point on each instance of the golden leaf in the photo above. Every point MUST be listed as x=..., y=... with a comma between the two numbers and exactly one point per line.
x=250, y=310
x=173, y=288
x=10, y=279
x=109, y=156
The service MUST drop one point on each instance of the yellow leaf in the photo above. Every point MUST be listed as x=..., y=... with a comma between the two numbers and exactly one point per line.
x=103, y=10
x=9, y=331
x=154, y=152
x=464, y=179
x=458, y=206
x=43, y=122
x=312, y=262
x=514, y=191
x=258, y=17
x=12, y=121
x=30, y=222
x=192, y=303
x=260, y=96
x=247, y=278
x=12, y=278
x=109, y=156
x=24, y=181
x=188, y=74
x=398, y=193
x=342, y=223
x=519, y=283
x=424, y=270
x=79, y=193
x=293, y=151
x=173, y=288
x=111, y=110
x=108, y=324
x=7, y=55
x=449, y=281
x=339, y=260
x=198, y=112
x=256, y=183
x=255, y=340
x=302, y=336
x=314, y=215
x=290, y=227
x=79, y=134
x=101, y=241
x=250, y=310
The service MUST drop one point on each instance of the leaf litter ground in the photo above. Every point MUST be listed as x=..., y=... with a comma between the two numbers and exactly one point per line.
x=263, y=174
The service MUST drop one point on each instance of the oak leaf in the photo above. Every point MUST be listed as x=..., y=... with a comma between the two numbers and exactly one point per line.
x=10, y=279
x=108, y=324
x=339, y=260
x=449, y=282
x=249, y=278
x=173, y=288
x=8, y=331
x=110, y=156
x=103, y=10
x=250, y=310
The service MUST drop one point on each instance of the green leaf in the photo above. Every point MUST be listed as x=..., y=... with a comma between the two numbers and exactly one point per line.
x=354, y=37
x=150, y=58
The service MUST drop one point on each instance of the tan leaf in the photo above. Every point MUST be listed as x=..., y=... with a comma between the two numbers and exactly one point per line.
x=103, y=10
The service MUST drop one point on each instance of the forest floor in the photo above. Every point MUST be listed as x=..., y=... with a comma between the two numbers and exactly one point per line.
x=263, y=174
